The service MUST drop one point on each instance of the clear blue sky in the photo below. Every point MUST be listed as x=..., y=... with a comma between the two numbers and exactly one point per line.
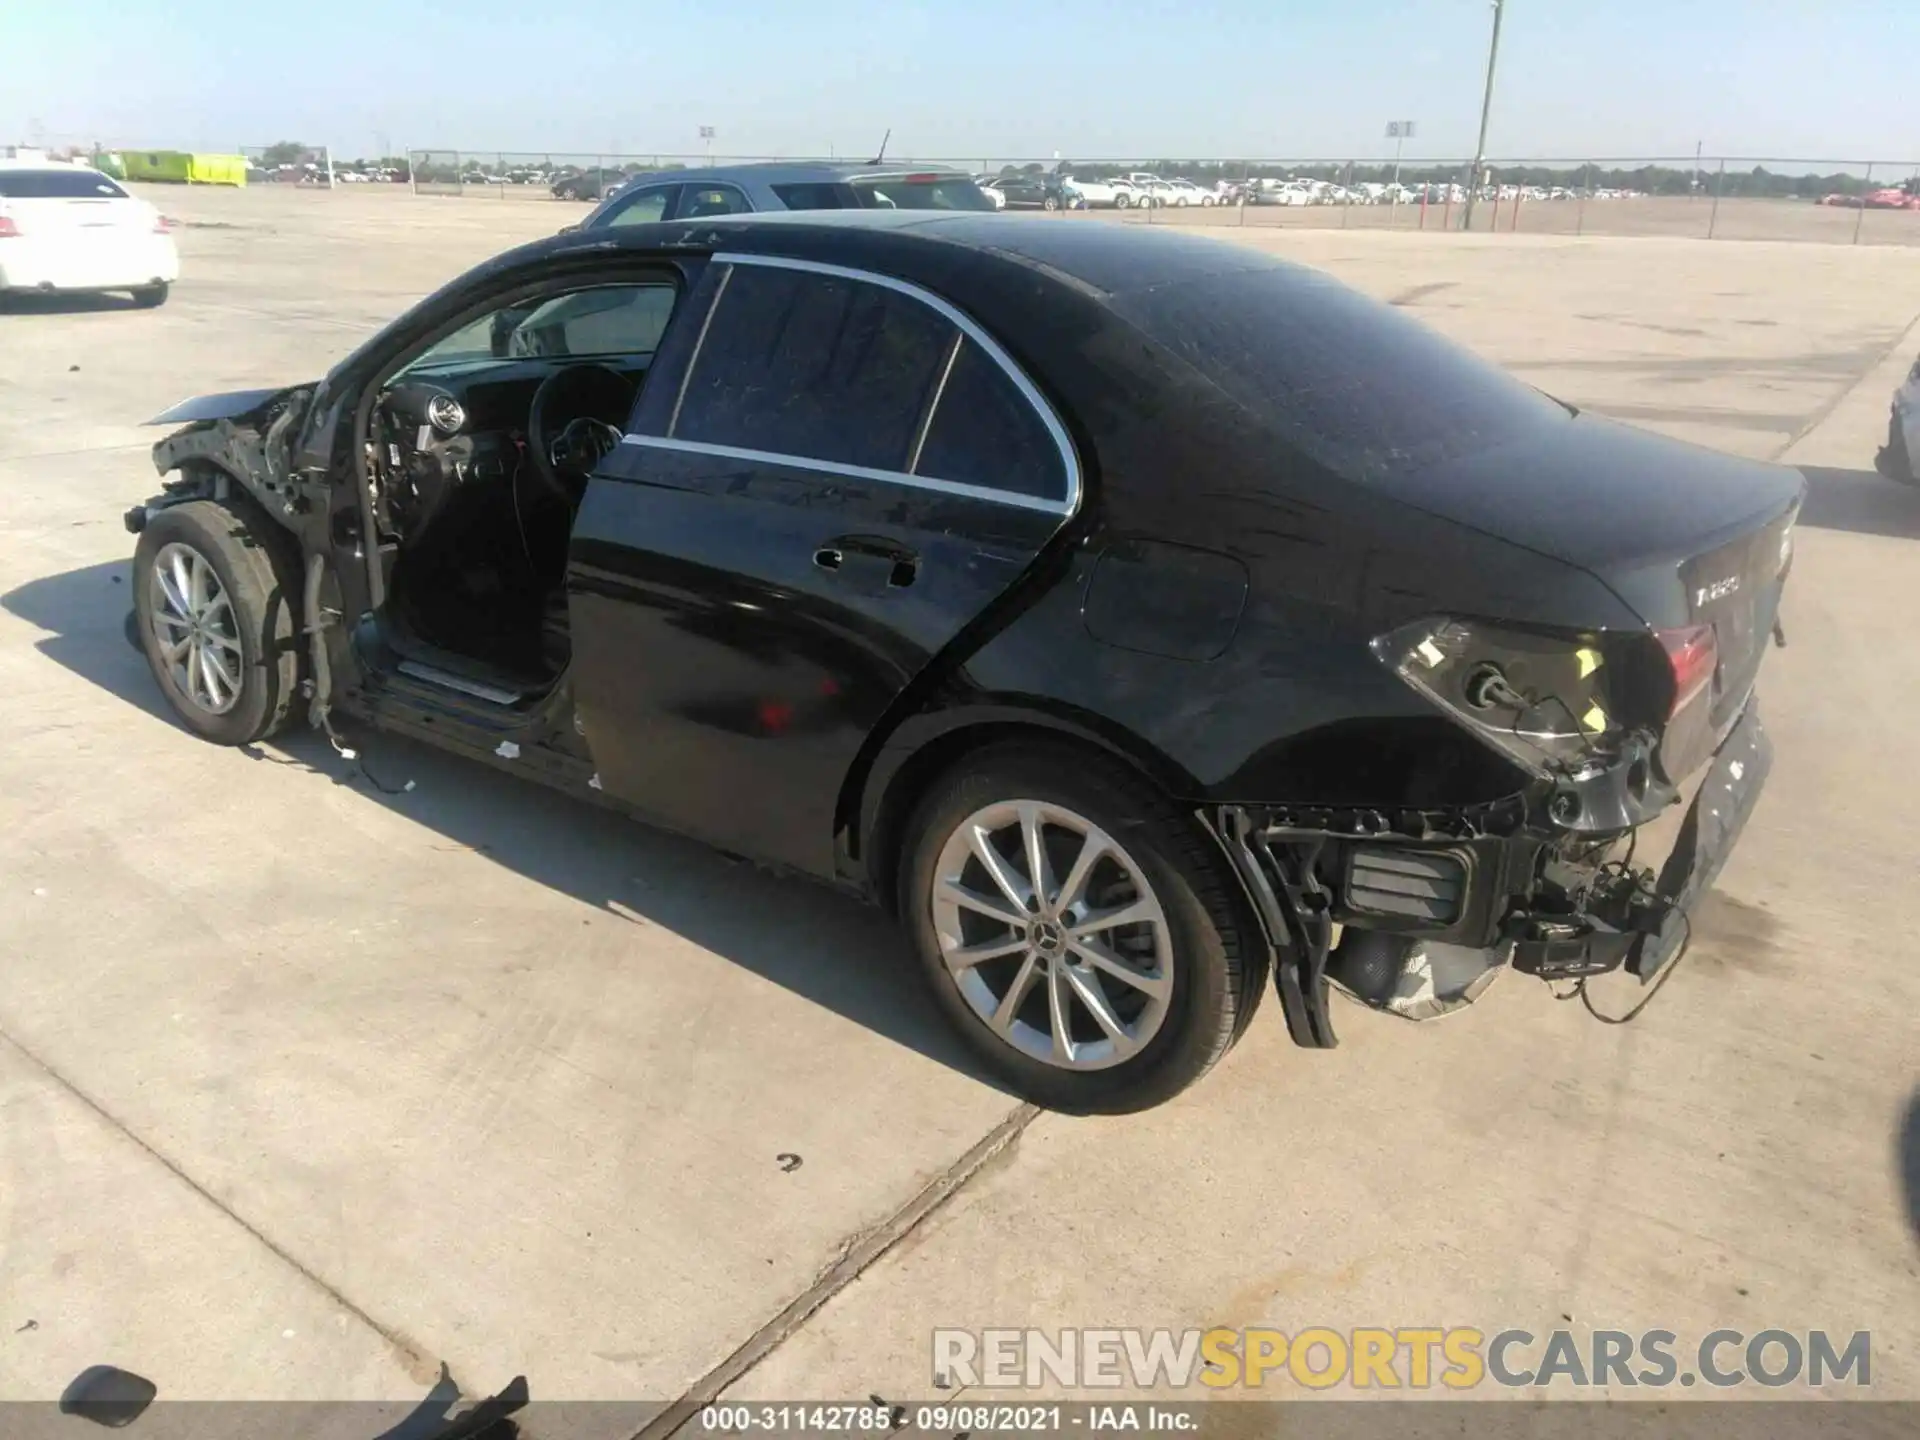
x=986, y=79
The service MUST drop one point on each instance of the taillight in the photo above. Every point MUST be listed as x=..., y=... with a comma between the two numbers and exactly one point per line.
x=1693, y=656
x=162, y=225
x=7, y=227
x=1548, y=701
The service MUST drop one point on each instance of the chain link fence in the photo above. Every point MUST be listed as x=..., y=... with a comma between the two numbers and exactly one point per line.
x=1705, y=197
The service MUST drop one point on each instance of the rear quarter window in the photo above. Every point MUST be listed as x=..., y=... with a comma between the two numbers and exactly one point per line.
x=1354, y=384
x=58, y=185
x=957, y=192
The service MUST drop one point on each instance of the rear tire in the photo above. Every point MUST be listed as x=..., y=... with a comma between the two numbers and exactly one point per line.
x=1176, y=986
x=150, y=297
x=223, y=640
x=1894, y=461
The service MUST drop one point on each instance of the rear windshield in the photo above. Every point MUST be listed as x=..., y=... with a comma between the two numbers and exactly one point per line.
x=957, y=192
x=1353, y=383
x=58, y=185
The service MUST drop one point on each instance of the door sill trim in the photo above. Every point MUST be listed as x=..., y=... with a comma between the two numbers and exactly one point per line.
x=479, y=690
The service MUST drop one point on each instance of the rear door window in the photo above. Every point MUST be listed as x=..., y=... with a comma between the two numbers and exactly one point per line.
x=53, y=184
x=815, y=366
x=985, y=432
x=698, y=201
x=644, y=207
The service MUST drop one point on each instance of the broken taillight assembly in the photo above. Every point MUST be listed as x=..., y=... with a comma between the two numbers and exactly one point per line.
x=1693, y=656
x=1548, y=701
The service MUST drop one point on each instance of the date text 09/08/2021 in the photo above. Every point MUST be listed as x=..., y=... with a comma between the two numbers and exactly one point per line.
x=982, y=1418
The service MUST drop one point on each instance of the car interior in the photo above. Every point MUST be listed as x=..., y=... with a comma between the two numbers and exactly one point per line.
x=480, y=448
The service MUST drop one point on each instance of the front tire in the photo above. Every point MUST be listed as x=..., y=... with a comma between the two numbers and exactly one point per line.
x=216, y=604
x=151, y=297
x=1117, y=980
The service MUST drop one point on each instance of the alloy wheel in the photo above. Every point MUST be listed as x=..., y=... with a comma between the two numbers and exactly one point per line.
x=1052, y=934
x=195, y=630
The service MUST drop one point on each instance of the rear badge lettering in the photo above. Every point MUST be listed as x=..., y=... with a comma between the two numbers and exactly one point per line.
x=1718, y=590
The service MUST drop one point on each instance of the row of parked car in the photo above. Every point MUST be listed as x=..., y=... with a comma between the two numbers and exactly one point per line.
x=1063, y=190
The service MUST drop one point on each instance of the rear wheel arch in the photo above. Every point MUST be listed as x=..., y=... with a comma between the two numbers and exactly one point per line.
x=925, y=751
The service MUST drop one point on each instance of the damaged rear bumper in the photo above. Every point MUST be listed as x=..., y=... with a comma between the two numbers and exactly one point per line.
x=1713, y=826
x=1504, y=880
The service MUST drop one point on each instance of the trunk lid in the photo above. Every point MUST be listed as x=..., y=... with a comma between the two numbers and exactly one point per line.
x=1688, y=538
x=1618, y=501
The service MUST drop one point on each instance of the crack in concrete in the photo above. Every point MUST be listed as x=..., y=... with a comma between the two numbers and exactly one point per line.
x=411, y=1356
x=860, y=1251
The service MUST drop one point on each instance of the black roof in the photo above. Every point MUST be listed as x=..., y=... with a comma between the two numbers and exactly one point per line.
x=1094, y=257
x=783, y=172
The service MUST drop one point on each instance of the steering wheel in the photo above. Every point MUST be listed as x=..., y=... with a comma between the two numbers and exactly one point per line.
x=566, y=438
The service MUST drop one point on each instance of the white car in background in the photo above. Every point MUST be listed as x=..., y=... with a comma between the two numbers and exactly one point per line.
x=1148, y=189
x=1098, y=194
x=990, y=187
x=67, y=228
x=1181, y=191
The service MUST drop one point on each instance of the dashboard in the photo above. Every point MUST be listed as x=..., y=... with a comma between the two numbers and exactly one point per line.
x=440, y=429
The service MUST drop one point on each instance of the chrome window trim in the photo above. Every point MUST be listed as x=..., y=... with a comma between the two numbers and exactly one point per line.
x=1070, y=461
x=855, y=472
x=699, y=344
x=933, y=405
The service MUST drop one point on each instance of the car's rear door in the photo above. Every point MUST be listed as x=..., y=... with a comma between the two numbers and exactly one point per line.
x=829, y=476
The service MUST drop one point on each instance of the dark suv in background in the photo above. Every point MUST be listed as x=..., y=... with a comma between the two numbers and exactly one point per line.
x=594, y=184
x=786, y=185
x=1027, y=191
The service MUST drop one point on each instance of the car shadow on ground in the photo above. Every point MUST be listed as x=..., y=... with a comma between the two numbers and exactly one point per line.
x=804, y=937
x=86, y=302
x=1909, y=1162
x=1862, y=501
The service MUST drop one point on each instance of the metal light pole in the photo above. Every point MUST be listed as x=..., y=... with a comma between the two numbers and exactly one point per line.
x=1486, y=111
x=1398, y=131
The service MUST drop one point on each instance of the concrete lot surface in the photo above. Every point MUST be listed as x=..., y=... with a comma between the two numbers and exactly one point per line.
x=307, y=1089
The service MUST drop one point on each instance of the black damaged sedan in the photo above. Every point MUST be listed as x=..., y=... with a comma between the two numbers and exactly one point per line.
x=1144, y=620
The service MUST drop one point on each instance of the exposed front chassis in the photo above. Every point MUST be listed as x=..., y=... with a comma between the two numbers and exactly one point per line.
x=1508, y=879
